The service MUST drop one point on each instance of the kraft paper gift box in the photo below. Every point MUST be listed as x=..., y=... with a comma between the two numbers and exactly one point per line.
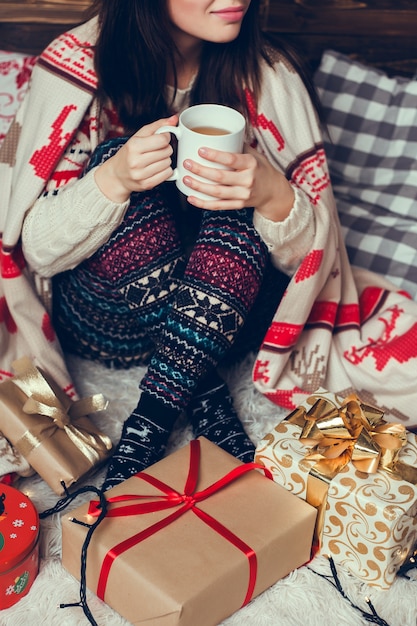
x=50, y=430
x=367, y=515
x=200, y=559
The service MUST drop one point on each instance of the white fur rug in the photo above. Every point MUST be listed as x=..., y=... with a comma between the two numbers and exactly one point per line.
x=302, y=598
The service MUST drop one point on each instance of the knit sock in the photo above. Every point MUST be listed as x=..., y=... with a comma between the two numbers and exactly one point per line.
x=214, y=417
x=143, y=441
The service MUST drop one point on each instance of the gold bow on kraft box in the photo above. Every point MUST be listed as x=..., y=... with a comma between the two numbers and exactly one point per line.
x=359, y=471
x=52, y=431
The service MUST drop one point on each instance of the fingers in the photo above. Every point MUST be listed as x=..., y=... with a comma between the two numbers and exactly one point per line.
x=145, y=148
x=234, y=184
x=149, y=129
x=235, y=167
x=216, y=205
x=230, y=160
x=142, y=163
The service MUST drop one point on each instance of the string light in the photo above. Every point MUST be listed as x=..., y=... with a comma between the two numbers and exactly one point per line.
x=334, y=580
x=60, y=506
x=409, y=563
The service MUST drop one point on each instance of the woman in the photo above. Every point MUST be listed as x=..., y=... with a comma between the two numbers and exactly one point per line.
x=131, y=285
x=142, y=275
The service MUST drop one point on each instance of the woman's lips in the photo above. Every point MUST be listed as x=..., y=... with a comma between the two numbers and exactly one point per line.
x=231, y=14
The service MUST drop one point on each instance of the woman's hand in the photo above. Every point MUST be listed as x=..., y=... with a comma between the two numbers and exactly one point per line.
x=250, y=181
x=142, y=163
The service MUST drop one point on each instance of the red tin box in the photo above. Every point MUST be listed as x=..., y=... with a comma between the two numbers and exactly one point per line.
x=19, y=545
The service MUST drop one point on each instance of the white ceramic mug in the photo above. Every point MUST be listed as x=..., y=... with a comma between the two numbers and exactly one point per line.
x=211, y=125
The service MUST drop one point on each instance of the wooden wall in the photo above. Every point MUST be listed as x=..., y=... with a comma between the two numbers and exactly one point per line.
x=381, y=32
x=29, y=25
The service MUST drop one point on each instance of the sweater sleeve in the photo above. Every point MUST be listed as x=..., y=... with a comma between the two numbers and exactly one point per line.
x=286, y=129
x=63, y=229
x=72, y=218
x=290, y=240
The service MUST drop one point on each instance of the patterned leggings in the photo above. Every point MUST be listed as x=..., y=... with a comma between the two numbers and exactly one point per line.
x=141, y=300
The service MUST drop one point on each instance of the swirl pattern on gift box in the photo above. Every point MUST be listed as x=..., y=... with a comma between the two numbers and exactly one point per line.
x=370, y=526
x=368, y=520
x=281, y=454
x=409, y=452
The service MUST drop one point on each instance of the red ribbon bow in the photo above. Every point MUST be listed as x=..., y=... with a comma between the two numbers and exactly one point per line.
x=170, y=498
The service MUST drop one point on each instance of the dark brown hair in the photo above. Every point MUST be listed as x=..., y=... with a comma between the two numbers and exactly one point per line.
x=135, y=50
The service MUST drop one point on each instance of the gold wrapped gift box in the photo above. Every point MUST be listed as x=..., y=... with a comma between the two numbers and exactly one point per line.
x=215, y=547
x=53, y=432
x=359, y=471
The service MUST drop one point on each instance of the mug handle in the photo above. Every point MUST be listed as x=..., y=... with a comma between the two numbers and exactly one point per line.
x=175, y=130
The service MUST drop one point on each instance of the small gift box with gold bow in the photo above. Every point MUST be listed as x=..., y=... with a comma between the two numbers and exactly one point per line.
x=359, y=471
x=53, y=432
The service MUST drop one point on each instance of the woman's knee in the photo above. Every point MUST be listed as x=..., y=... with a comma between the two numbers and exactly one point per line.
x=230, y=256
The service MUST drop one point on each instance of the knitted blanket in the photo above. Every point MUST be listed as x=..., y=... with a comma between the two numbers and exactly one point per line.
x=336, y=327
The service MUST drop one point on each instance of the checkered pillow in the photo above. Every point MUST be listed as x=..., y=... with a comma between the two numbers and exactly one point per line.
x=372, y=153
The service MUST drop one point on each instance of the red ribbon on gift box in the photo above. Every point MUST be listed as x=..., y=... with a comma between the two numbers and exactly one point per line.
x=170, y=498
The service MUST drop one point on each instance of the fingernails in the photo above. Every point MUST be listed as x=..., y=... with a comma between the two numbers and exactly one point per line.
x=187, y=164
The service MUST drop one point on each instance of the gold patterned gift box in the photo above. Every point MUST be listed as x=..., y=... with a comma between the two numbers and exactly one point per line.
x=359, y=471
x=50, y=430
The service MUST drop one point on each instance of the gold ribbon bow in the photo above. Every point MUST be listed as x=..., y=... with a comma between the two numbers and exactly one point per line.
x=44, y=398
x=352, y=433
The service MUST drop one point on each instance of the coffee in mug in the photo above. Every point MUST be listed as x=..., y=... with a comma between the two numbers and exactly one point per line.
x=210, y=130
x=211, y=125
